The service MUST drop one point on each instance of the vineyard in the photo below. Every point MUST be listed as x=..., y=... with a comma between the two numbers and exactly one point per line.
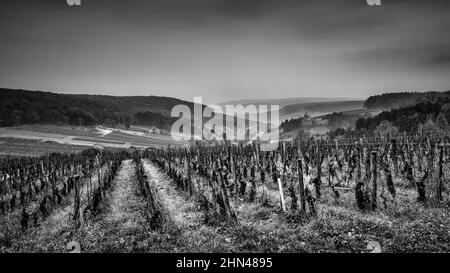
x=343, y=195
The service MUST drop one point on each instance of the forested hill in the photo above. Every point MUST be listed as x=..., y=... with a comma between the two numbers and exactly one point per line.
x=409, y=118
x=403, y=99
x=19, y=107
x=407, y=111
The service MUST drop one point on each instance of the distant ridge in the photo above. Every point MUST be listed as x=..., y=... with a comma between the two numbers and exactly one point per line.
x=19, y=107
x=388, y=101
x=287, y=101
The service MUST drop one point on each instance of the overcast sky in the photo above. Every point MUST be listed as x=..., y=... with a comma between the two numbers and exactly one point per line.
x=226, y=49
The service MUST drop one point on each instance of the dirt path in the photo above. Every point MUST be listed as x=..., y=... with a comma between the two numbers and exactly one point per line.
x=182, y=212
x=186, y=218
x=120, y=226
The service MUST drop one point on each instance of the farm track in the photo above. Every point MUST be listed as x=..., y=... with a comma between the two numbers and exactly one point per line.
x=180, y=210
x=121, y=225
x=184, y=219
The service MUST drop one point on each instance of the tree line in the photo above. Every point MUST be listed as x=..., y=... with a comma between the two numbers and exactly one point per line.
x=409, y=119
x=403, y=99
x=19, y=107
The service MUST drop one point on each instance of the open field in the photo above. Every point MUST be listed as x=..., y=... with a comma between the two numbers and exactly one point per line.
x=64, y=130
x=32, y=147
x=38, y=139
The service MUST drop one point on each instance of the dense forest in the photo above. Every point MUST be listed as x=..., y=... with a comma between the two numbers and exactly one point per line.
x=396, y=100
x=340, y=120
x=407, y=112
x=149, y=118
x=18, y=107
x=291, y=124
x=409, y=119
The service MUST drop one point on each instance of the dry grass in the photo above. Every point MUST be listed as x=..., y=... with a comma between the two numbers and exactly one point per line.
x=34, y=148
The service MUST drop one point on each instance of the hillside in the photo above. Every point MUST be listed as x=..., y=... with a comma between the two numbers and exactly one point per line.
x=284, y=102
x=409, y=118
x=319, y=108
x=19, y=107
x=405, y=110
x=388, y=101
x=292, y=108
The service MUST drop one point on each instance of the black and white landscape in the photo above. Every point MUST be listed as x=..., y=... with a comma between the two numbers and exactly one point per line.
x=90, y=162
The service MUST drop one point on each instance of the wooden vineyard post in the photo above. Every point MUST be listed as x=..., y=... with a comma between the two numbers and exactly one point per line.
x=439, y=184
x=53, y=181
x=88, y=192
x=188, y=175
x=263, y=186
x=301, y=187
x=237, y=177
x=358, y=163
x=394, y=156
x=373, y=180
x=257, y=156
x=318, y=180
x=280, y=188
x=100, y=185
x=360, y=185
x=233, y=168
x=76, y=206
x=42, y=168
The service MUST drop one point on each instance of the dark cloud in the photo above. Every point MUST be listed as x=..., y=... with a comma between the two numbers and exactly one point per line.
x=432, y=56
x=220, y=48
x=439, y=59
